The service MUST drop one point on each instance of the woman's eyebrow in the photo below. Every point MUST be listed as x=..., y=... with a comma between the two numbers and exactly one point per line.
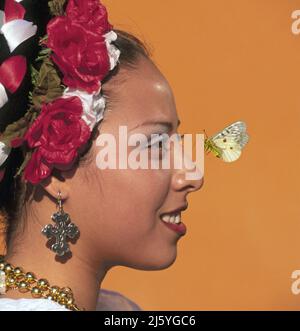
x=167, y=125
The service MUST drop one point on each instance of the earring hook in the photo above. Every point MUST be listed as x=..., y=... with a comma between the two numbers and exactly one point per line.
x=59, y=201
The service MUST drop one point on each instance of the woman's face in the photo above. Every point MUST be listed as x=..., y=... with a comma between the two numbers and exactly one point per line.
x=120, y=210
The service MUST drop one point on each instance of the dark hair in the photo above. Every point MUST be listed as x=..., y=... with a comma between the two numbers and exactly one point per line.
x=13, y=192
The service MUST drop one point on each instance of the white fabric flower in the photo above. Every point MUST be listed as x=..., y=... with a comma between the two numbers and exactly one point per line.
x=17, y=31
x=93, y=106
x=3, y=96
x=4, y=153
x=113, y=52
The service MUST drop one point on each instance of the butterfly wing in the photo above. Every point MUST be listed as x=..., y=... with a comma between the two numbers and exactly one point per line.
x=230, y=141
x=237, y=130
x=231, y=156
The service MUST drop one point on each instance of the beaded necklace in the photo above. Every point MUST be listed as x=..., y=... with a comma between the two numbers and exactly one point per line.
x=14, y=278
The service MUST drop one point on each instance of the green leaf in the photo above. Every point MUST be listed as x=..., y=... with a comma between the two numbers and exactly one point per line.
x=45, y=51
x=48, y=87
x=57, y=7
x=34, y=75
x=14, y=130
x=24, y=164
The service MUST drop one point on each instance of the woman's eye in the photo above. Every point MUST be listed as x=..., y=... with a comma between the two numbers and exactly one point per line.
x=162, y=143
x=158, y=144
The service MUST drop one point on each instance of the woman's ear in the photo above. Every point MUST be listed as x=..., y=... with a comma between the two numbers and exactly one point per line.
x=55, y=184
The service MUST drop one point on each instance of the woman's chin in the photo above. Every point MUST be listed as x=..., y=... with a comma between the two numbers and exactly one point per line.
x=161, y=262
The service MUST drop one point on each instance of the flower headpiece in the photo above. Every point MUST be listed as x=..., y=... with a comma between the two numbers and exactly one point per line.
x=66, y=102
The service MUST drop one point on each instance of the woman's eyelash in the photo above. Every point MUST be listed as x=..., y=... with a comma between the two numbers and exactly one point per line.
x=162, y=139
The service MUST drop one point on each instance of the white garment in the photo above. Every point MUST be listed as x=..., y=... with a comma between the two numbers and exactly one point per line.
x=107, y=301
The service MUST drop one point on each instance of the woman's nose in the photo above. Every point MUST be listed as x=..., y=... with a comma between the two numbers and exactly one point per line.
x=182, y=182
x=190, y=177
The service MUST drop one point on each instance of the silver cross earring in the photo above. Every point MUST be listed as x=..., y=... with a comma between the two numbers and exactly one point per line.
x=61, y=231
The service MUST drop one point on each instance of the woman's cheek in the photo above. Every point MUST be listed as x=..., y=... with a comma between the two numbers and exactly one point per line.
x=152, y=182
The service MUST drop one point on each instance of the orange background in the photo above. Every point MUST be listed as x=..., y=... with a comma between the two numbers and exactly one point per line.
x=226, y=61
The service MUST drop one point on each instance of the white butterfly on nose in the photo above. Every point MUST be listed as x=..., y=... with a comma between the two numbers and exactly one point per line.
x=228, y=143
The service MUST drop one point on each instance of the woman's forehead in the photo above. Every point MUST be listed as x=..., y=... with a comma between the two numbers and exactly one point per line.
x=145, y=95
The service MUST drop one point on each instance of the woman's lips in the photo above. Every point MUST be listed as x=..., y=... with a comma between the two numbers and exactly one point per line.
x=180, y=228
x=173, y=220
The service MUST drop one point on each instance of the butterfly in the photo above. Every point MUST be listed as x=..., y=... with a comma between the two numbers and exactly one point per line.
x=228, y=143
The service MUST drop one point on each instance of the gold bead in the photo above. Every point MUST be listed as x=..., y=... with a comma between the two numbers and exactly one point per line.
x=10, y=280
x=36, y=292
x=18, y=272
x=62, y=298
x=67, y=291
x=8, y=268
x=70, y=301
x=42, y=284
x=30, y=277
x=2, y=265
x=23, y=287
x=54, y=291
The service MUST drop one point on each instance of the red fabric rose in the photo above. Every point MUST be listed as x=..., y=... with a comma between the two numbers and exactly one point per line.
x=89, y=13
x=57, y=134
x=80, y=54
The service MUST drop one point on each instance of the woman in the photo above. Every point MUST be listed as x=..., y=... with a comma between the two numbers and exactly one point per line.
x=117, y=216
